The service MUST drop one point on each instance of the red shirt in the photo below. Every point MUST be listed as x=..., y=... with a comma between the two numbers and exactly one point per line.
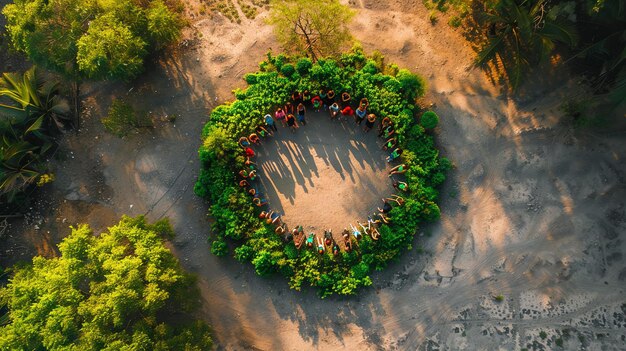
x=347, y=111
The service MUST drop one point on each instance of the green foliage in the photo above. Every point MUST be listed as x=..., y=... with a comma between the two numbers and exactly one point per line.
x=100, y=53
x=304, y=66
x=104, y=292
x=92, y=39
x=455, y=21
x=543, y=334
x=33, y=114
x=287, y=70
x=123, y=119
x=429, y=120
x=235, y=216
x=522, y=36
x=313, y=28
x=219, y=248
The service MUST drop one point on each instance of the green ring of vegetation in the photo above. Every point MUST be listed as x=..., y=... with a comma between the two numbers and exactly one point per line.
x=391, y=92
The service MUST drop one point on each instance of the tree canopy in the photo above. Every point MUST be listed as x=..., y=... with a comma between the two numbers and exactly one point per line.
x=313, y=28
x=102, y=293
x=91, y=39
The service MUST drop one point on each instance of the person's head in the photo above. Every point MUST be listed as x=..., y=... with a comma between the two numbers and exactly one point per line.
x=279, y=110
x=300, y=106
x=252, y=191
x=263, y=214
x=400, y=151
x=288, y=104
x=331, y=93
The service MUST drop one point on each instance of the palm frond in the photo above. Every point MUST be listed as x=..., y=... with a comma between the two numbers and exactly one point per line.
x=560, y=31
x=489, y=52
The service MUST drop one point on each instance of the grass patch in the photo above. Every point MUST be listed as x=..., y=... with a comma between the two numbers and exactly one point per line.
x=123, y=119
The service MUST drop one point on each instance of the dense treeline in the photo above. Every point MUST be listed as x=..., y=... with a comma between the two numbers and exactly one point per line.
x=92, y=39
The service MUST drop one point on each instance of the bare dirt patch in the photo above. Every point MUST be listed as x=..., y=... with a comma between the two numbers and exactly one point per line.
x=328, y=174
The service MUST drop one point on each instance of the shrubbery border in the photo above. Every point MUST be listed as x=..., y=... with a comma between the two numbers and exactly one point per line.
x=391, y=92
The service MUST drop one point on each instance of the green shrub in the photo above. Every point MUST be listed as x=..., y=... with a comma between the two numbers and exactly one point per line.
x=304, y=66
x=287, y=70
x=429, y=120
x=123, y=119
x=455, y=21
x=219, y=248
x=235, y=216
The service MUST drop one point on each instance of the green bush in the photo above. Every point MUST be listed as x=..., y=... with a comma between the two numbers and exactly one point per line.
x=429, y=120
x=304, y=66
x=287, y=70
x=123, y=119
x=235, y=216
x=219, y=248
x=113, y=291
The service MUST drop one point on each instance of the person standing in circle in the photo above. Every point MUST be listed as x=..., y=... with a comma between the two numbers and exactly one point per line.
x=330, y=98
x=345, y=99
x=291, y=122
x=316, y=101
x=280, y=115
x=369, y=124
x=289, y=108
x=301, y=114
x=360, y=114
x=269, y=121
x=334, y=110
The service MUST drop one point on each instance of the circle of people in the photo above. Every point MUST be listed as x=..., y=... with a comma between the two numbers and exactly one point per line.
x=339, y=111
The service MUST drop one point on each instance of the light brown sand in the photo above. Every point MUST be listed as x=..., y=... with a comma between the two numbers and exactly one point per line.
x=326, y=175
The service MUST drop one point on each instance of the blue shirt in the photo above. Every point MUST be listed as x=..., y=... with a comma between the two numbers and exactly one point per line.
x=269, y=120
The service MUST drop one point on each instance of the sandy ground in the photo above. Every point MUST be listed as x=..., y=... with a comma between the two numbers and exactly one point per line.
x=327, y=175
x=533, y=211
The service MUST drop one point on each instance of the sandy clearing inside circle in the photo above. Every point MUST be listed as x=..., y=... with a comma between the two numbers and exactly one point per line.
x=327, y=174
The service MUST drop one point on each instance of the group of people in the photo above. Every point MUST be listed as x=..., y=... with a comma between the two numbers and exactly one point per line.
x=293, y=115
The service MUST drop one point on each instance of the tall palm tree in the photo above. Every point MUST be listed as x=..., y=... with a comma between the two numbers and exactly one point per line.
x=521, y=34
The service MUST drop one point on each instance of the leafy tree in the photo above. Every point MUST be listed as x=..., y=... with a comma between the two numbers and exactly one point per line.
x=604, y=47
x=102, y=293
x=314, y=28
x=521, y=34
x=93, y=39
x=110, y=50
